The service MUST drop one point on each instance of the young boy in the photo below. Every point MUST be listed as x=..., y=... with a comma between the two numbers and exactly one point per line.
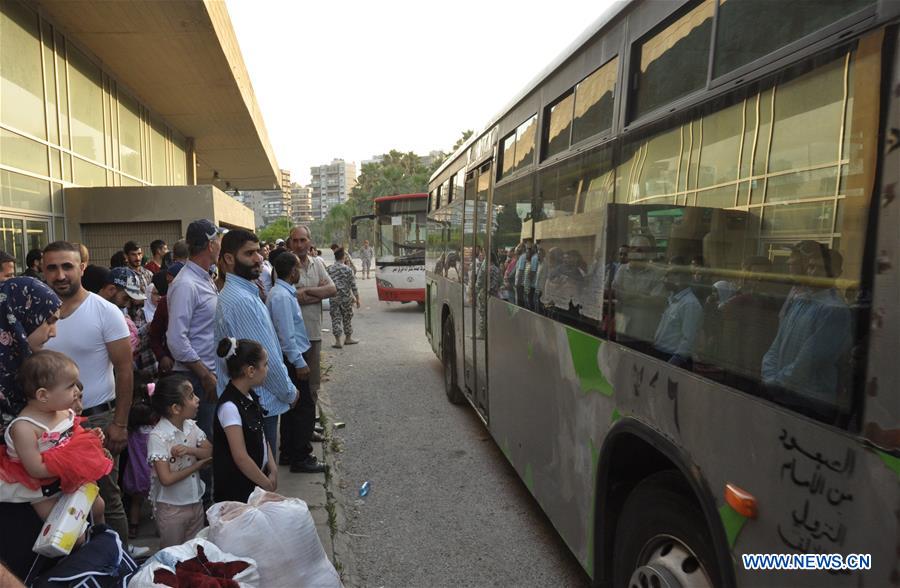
x=342, y=303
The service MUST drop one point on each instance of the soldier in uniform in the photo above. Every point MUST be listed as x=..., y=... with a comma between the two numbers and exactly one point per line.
x=342, y=303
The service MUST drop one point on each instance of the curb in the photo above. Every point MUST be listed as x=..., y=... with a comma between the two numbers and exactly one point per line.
x=344, y=561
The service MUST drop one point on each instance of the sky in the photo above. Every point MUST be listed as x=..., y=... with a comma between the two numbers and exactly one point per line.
x=355, y=79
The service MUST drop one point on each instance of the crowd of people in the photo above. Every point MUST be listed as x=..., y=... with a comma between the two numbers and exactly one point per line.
x=785, y=334
x=184, y=377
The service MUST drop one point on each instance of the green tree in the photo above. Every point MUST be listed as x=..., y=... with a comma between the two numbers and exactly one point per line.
x=277, y=229
x=459, y=142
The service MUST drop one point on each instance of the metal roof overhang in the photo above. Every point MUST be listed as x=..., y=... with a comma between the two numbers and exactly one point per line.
x=182, y=60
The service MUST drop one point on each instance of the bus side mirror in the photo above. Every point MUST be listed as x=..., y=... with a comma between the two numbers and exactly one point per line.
x=353, y=232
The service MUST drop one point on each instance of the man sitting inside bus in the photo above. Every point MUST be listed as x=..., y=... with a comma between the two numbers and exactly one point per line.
x=676, y=335
x=803, y=367
x=639, y=295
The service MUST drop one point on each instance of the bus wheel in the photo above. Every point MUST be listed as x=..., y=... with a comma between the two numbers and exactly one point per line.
x=448, y=357
x=661, y=539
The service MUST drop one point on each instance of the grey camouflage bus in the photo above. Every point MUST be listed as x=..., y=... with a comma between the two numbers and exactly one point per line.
x=665, y=276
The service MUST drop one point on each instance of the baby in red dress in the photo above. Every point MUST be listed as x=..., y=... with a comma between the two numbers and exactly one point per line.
x=46, y=442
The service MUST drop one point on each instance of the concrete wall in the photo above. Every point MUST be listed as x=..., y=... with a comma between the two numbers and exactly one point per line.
x=152, y=204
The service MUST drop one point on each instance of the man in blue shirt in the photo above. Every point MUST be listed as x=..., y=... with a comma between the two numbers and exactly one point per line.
x=805, y=364
x=680, y=324
x=242, y=315
x=297, y=424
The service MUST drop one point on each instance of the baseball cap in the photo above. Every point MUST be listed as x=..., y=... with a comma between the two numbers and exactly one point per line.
x=279, y=241
x=202, y=231
x=174, y=268
x=126, y=279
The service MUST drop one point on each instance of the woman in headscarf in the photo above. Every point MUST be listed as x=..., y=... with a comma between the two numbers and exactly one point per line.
x=29, y=310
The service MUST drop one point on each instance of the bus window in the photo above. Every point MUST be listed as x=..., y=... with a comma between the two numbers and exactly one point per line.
x=511, y=231
x=762, y=295
x=569, y=280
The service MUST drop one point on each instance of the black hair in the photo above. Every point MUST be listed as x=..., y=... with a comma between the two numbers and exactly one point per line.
x=339, y=254
x=63, y=246
x=169, y=390
x=275, y=253
x=141, y=413
x=6, y=258
x=235, y=239
x=156, y=245
x=283, y=265
x=33, y=255
x=180, y=250
x=246, y=352
x=118, y=260
x=161, y=282
x=130, y=246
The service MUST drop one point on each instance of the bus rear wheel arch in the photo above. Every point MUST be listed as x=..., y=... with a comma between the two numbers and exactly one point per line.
x=661, y=539
x=635, y=457
x=448, y=359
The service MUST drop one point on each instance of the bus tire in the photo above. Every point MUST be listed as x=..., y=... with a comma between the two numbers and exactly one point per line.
x=661, y=538
x=448, y=358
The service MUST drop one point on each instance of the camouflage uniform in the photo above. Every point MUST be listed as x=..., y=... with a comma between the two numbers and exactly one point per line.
x=342, y=303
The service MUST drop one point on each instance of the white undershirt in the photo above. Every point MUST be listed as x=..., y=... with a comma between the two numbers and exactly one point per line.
x=229, y=416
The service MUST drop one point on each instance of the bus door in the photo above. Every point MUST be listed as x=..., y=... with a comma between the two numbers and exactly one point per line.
x=478, y=183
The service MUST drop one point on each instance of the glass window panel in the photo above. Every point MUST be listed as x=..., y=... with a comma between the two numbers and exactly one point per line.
x=126, y=181
x=716, y=198
x=458, y=182
x=21, y=80
x=62, y=76
x=37, y=234
x=57, y=193
x=525, y=138
x=817, y=183
x=50, y=83
x=814, y=218
x=18, y=191
x=594, y=98
x=158, y=145
x=744, y=194
x=559, y=126
x=763, y=131
x=23, y=153
x=88, y=174
x=654, y=165
x=673, y=62
x=12, y=239
x=719, y=157
x=55, y=164
x=738, y=41
x=808, y=118
x=86, y=86
x=129, y=135
x=508, y=148
x=67, y=167
x=179, y=160
x=444, y=192
x=750, y=106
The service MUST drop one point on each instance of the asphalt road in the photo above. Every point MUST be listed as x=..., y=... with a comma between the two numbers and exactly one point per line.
x=445, y=508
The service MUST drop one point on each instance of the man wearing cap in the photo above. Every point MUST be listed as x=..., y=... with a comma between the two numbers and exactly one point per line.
x=92, y=331
x=192, y=301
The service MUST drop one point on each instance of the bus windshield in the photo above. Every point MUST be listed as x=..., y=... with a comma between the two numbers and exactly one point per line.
x=401, y=231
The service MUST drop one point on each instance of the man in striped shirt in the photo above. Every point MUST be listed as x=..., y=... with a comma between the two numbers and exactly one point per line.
x=241, y=314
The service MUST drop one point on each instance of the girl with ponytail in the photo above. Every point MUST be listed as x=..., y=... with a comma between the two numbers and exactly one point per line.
x=242, y=459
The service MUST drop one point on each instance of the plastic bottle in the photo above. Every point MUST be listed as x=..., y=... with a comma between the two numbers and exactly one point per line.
x=364, y=489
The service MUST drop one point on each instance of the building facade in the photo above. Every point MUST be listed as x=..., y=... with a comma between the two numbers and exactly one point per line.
x=331, y=185
x=111, y=110
x=301, y=204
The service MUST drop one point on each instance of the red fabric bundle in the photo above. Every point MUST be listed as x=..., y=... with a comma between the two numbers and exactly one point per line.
x=77, y=462
x=199, y=572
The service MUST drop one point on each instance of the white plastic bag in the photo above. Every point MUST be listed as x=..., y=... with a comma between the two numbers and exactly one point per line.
x=277, y=532
x=167, y=558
